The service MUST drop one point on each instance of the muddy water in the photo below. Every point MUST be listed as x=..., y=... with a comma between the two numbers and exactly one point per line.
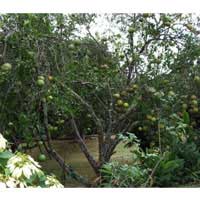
x=70, y=151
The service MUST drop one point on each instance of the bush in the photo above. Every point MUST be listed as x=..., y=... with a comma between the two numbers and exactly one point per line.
x=19, y=170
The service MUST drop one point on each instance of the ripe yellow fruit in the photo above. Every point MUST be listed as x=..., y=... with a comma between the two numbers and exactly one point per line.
x=50, y=78
x=193, y=97
x=119, y=102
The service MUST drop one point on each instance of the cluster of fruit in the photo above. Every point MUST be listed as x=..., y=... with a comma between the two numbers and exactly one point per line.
x=41, y=83
x=52, y=128
x=41, y=80
x=193, y=105
x=151, y=118
x=120, y=102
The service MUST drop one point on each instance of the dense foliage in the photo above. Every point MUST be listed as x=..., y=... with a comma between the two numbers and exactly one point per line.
x=138, y=82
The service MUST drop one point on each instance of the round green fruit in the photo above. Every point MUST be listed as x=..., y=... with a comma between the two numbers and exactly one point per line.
x=50, y=128
x=50, y=98
x=55, y=128
x=117, y=95
x=184, y=106
x=145, y=128
x=77, y=42
x=41, y=77
x=42, y=158
x=153, y=119
x=71, y=46
x=195, y=110
x=131, y=30
x=40, y=82
x=62, y=121
x=119, y=102
x=171, y=93
x=121, y=56
x=197, y=79
x=161, y=126
x=126, y=105
x=6, y=67
x=89, y=115
x=149, y=117
x=165, y=81
x=194, y=102
x=10, y=124
x=135, y=86
x=140, y=128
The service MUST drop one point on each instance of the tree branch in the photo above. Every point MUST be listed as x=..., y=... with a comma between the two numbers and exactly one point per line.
x=84, y=148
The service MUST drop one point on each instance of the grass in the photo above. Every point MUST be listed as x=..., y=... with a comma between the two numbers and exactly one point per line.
x=70, y=151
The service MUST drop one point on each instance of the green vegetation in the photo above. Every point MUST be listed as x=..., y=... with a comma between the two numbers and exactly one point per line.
x=135, y=88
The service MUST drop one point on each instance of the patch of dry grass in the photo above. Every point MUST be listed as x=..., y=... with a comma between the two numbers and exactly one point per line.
x=70, y=151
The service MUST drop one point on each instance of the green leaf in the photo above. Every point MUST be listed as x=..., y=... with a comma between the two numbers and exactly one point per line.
x=186, y=117
x=6, y=155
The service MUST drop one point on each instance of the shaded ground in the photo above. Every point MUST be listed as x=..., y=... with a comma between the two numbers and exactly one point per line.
x=69, y=150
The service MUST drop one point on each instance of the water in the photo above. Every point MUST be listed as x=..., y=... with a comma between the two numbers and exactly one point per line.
x=70, y=151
